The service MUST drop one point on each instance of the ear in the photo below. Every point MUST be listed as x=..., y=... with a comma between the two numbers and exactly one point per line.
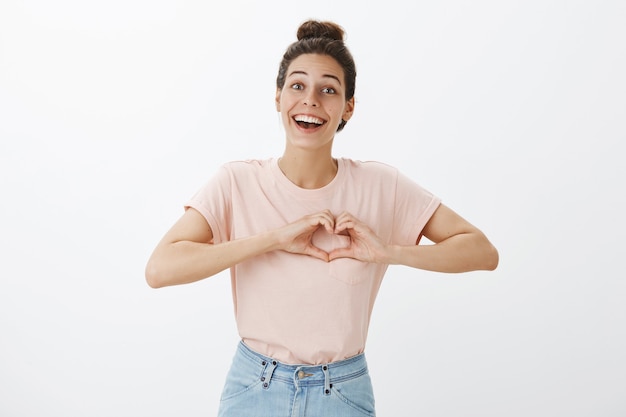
x=278, y=91
x=347, y=114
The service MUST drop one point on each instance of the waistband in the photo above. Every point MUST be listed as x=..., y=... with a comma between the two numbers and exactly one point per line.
x=305, y=375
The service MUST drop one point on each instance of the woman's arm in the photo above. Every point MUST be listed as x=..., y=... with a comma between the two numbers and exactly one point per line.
x=458, y=245
x=186, y=254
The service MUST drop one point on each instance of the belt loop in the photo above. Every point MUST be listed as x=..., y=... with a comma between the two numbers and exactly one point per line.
x=326, y=380
x=269, y=371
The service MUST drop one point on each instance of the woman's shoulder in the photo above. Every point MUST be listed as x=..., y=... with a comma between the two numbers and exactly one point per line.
x=369, y=167
x=240, y=171
x=251, y=163
x=247, y=166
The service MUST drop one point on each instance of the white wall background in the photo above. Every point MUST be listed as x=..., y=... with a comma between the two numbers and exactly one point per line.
x=113, y=113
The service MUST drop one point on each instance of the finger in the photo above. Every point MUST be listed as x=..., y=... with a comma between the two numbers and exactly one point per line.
x=345, y=225
x=317, y=253
x=340, y=253
x=326, y=219
x=345, y=221
x=343, y=217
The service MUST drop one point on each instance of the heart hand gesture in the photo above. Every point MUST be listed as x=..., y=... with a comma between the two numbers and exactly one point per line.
x=365, y=245
x=297, y=237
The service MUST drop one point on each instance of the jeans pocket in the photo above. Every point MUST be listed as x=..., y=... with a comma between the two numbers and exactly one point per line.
x=242, y=377
x=357, y=393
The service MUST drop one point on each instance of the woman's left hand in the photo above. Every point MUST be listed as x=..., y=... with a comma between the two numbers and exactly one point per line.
x=364, y=245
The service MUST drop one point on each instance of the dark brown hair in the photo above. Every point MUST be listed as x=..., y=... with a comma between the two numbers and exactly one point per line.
x=324, y=38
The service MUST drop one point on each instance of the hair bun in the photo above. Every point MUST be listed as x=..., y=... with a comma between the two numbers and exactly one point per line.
x=317, y=29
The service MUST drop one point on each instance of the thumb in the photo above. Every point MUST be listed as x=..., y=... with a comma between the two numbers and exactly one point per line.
x=316, y=252
x=340, y=253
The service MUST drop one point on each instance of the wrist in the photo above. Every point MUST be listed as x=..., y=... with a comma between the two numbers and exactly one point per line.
x=391, y=254
x=272, y=240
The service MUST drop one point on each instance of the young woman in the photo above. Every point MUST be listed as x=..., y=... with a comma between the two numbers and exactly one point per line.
x=308, y=238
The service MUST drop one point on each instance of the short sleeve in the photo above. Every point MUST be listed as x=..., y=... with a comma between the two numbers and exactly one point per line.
x=213, y=201
x=414, y=206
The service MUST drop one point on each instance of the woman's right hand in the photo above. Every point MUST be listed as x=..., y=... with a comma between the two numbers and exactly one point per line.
x=186, y=254
x=297, y=237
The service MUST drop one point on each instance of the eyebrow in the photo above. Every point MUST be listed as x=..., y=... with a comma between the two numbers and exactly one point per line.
x=325, y=75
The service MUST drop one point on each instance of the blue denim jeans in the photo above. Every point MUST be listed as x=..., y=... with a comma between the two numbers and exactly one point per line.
x=259, y=386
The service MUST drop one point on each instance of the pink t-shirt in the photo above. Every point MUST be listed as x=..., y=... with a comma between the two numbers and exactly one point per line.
x=295, y=308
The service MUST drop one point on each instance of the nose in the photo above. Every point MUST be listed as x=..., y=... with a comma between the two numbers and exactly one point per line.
x=310, y=99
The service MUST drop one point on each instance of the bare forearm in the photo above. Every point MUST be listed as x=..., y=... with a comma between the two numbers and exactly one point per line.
x=184, y=262
x=459, y=253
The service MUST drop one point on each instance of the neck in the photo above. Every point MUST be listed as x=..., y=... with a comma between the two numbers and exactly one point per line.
x=308, y=171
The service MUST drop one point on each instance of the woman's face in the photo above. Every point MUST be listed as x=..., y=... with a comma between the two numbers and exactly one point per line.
x=312, y=101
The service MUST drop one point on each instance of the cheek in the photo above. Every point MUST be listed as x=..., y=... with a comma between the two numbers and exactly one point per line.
x=284, y=115
x=337, y=111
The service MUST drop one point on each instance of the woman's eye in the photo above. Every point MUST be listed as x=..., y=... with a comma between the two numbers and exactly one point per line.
x=328, y=90
x=297, y=86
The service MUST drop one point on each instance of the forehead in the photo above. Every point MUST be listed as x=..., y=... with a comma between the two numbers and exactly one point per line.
x=316, y=65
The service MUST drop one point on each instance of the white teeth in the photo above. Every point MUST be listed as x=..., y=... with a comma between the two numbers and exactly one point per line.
x=308, y=119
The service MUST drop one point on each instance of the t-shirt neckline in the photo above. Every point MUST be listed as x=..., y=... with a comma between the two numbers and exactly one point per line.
x=307, y=192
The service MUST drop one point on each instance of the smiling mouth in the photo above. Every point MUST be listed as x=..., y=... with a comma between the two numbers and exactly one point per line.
x=308, y=122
